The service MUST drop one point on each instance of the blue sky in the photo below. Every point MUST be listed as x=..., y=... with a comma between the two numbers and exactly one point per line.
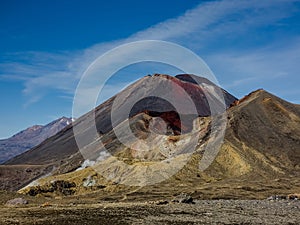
x=45, y=46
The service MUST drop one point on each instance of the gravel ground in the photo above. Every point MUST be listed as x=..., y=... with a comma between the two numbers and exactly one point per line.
x=202, y=212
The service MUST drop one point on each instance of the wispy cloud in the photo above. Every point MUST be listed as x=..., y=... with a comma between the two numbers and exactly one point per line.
x=219, y=17
x=203, y=28
x=41, y=72
x=273, y=67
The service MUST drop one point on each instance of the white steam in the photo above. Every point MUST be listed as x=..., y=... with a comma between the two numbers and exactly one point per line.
x=103, y=155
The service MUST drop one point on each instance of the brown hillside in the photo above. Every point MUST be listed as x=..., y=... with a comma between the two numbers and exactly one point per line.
x=260, y=157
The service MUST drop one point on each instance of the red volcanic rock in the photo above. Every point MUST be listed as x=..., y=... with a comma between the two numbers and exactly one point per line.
x=193, y=99
x=172, y=120
x=204, y=94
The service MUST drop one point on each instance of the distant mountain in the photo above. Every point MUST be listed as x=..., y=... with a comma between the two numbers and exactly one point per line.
x=29, y=138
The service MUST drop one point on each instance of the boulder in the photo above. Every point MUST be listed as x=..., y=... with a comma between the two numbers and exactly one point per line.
x=184, y=198
x=17, y=201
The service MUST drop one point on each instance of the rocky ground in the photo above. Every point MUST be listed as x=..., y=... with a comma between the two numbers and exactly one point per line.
x=201, y=212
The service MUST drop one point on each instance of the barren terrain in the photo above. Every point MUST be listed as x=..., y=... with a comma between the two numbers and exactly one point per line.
x=202, y=212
